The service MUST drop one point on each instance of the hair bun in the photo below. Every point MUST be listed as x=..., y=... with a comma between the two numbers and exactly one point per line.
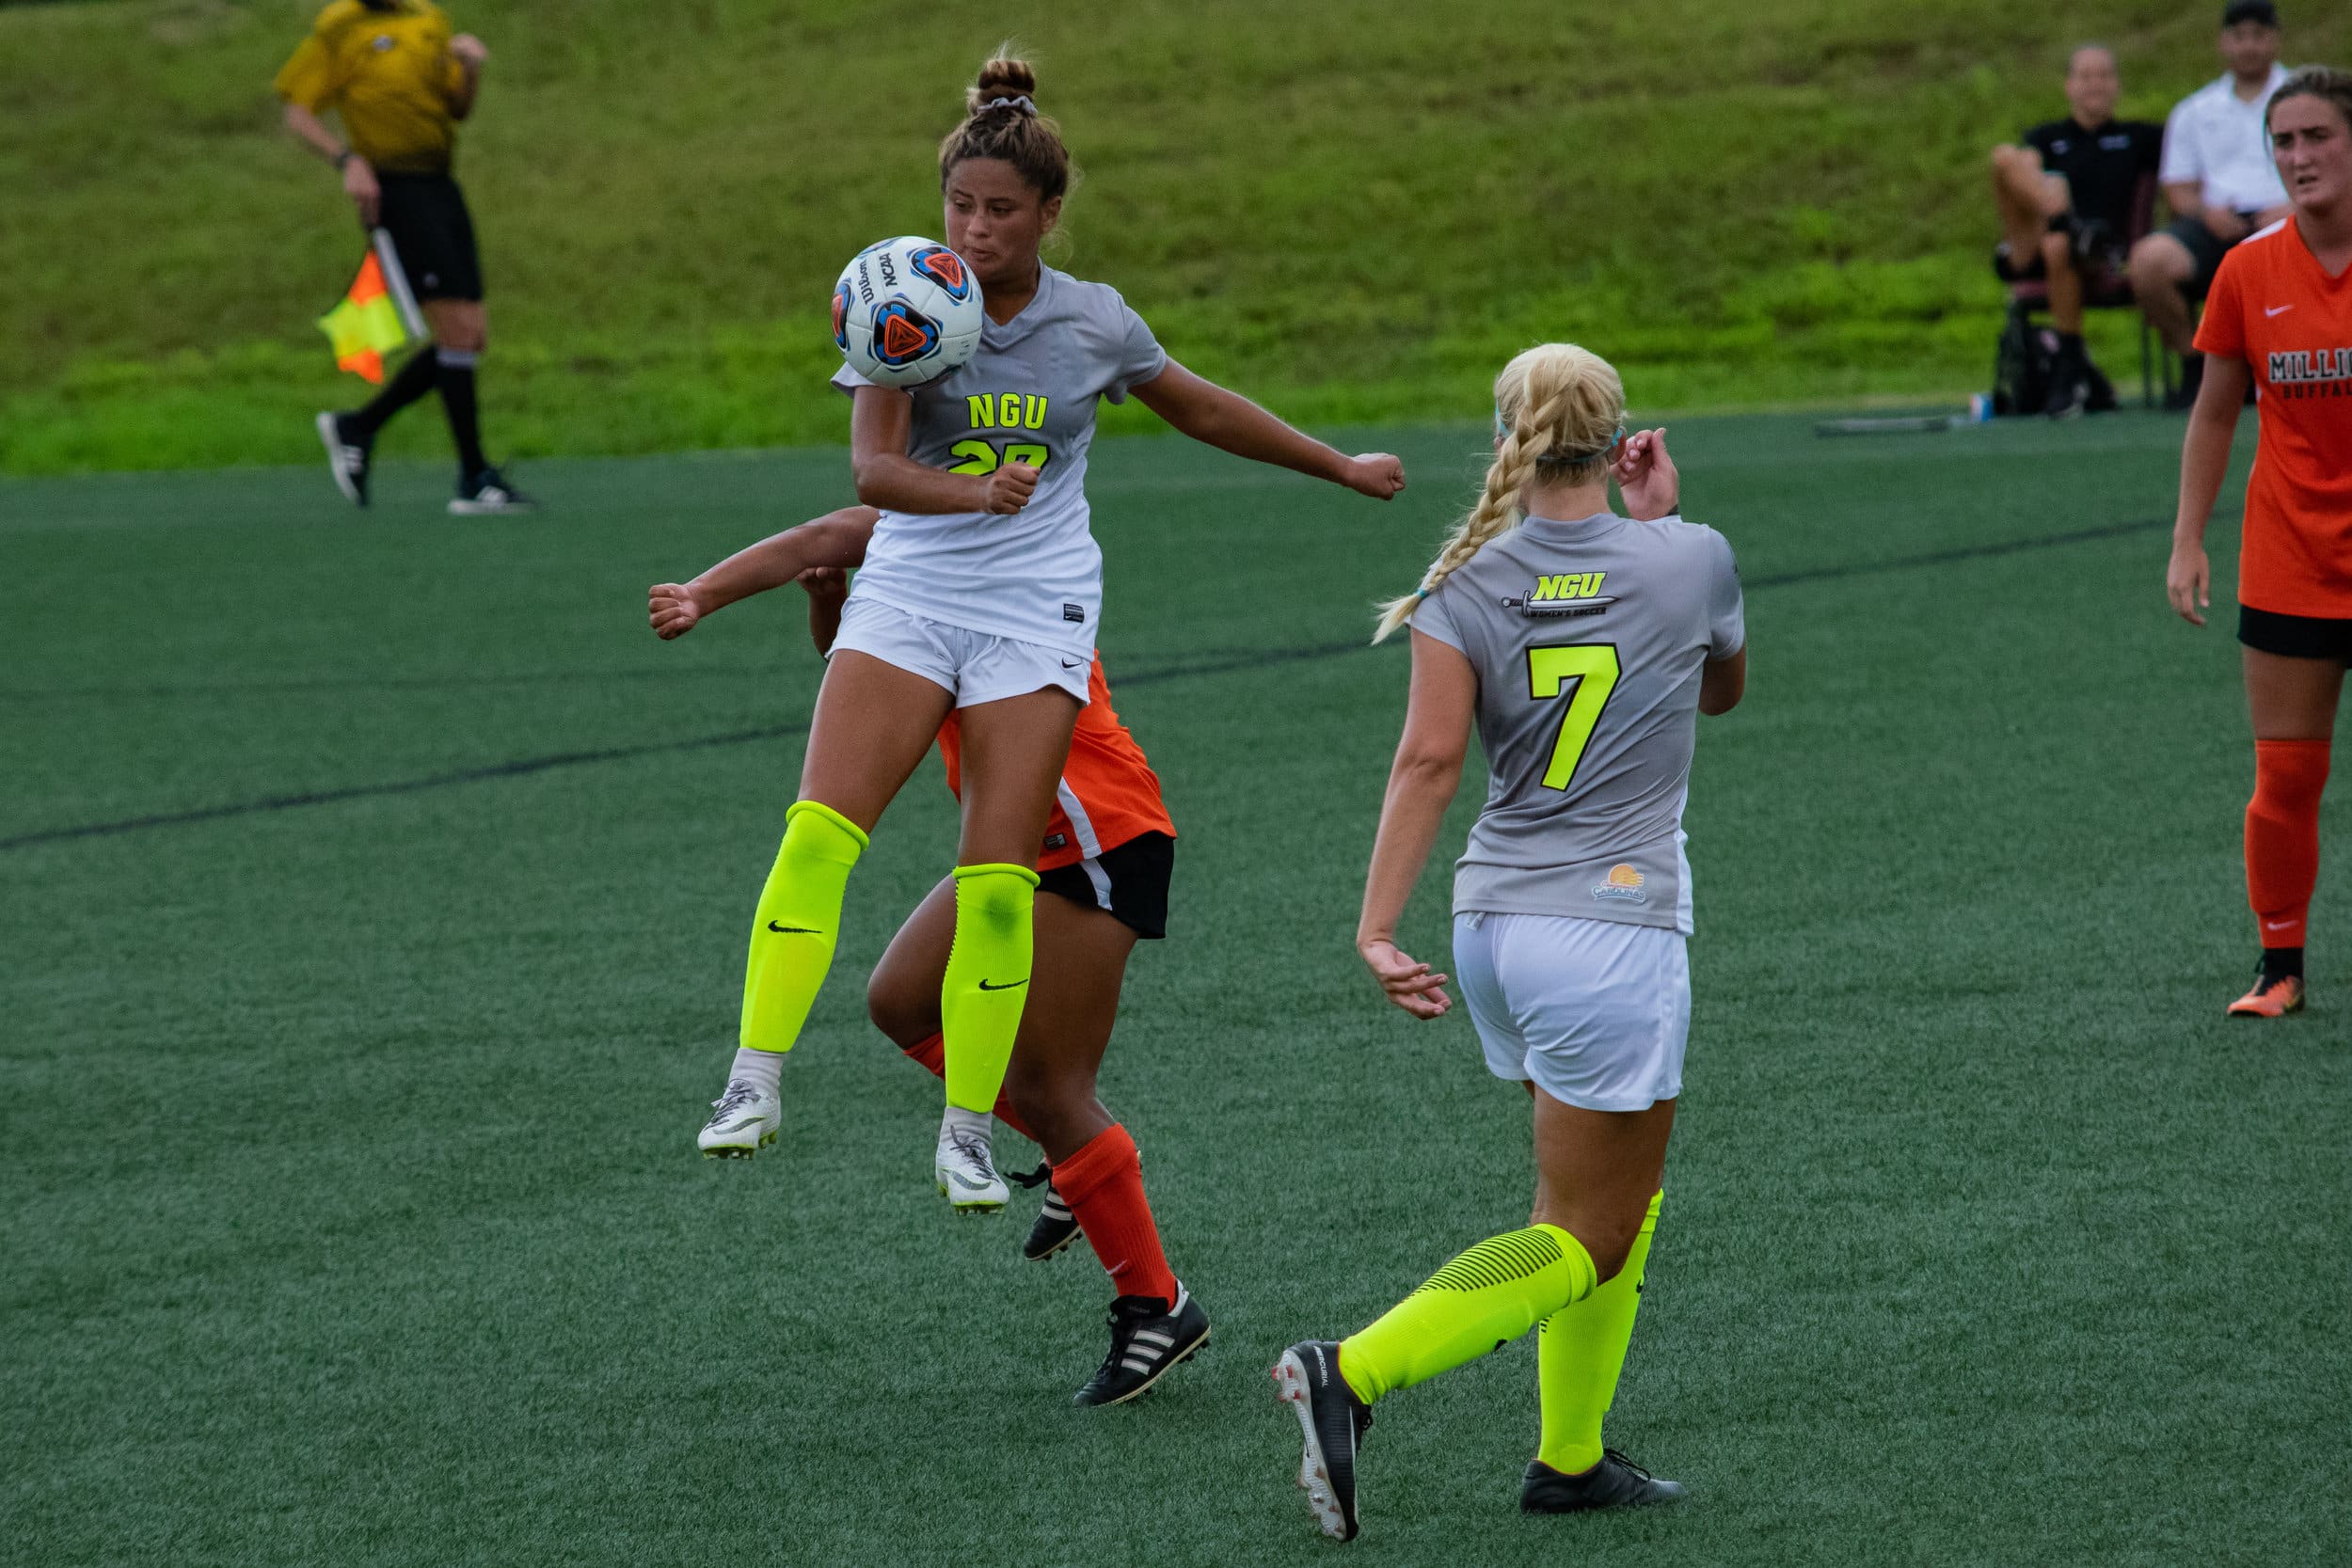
x=1002, y=77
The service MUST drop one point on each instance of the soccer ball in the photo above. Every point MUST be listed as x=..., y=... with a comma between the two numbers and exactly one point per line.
x=906, y=311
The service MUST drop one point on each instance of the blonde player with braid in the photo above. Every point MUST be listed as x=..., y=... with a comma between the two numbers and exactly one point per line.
x=1586, y=644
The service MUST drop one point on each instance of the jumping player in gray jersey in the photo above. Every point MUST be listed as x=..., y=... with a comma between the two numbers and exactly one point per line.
x=981, y=595
x=1585, y=646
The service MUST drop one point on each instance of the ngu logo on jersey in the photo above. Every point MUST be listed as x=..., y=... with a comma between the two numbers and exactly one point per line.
x=1565, y=594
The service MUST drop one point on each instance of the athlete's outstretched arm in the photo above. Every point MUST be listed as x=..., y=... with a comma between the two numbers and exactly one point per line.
x=1231, y=422
x=1421, y=781
x=836, y=539
x=2204, y=458
x=881, y=423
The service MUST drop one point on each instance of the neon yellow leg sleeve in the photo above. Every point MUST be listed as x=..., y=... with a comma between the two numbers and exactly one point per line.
x=1480, y=1302
x=987, y=981
x=1579, y=1353
x=793, y=928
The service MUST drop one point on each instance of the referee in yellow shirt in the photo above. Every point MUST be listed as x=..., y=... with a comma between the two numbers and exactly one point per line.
x=400, y=82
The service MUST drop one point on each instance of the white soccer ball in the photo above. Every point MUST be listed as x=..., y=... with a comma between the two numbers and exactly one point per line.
x=906, y=311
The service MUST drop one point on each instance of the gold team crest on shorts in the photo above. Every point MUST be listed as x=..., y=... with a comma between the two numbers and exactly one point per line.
x=1623, y=883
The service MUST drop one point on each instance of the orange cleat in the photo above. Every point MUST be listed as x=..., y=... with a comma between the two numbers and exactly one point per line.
x=2270, y=998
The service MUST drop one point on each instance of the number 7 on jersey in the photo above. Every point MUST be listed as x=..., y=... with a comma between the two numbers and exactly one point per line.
x=1595, y=669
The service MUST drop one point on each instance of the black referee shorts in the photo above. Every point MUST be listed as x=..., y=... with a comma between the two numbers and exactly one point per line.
x=426, y=216
x=1129, y=879
x=2267, y=631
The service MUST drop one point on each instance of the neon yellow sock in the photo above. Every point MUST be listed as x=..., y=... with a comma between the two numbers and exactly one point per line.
x=987, y=980
x=793, y=928
x=1579, y=1353
x=1482, y=1301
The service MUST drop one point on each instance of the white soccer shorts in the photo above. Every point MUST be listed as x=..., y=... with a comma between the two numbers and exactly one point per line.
x=1596, y=1012
x=975, y=667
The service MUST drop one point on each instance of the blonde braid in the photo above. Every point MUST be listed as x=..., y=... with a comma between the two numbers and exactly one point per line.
x=1533, y=436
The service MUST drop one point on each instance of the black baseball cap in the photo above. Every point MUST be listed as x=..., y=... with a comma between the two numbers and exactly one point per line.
x=2250, y=11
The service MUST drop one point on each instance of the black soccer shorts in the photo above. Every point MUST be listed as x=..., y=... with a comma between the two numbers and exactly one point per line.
x=426, y=216
x=1129, y=879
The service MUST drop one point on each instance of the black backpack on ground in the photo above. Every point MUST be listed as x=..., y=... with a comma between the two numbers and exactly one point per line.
x=2022, y=364
x=2027, y=358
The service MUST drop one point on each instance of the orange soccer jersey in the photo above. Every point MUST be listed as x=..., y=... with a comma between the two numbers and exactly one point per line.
x=2273, y=306
x=1108, y=793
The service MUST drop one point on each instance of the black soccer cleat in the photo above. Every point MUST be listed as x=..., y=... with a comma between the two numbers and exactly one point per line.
x=487, y=494
x=1616, y=1482
x=1334, y=1422
x=348, y=454
x=1055, y=1228
x=1148, y=1337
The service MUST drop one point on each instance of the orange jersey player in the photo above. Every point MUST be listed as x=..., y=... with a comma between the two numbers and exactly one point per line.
x=1104, y=861
x=2280, y=319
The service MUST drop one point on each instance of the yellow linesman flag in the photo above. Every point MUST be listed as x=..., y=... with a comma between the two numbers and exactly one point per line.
x=376, y=315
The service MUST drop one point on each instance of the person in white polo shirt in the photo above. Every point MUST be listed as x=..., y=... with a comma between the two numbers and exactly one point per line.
x=2217, y=178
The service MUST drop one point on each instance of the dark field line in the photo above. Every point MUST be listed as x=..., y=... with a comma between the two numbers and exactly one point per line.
x=1965, y=553
x=616, y=753
x=1222, y=665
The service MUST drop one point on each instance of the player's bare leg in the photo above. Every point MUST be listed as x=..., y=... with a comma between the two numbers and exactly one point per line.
x=1014, y=749
x=874, y=721
x=1050, y=1097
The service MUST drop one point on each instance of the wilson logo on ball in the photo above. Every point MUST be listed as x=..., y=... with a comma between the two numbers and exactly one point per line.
x=841, y=315
x=944, y=267
x=902, y=335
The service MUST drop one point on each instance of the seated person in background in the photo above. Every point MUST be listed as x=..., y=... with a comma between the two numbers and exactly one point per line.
x=2218, y=180
x=2066, y=197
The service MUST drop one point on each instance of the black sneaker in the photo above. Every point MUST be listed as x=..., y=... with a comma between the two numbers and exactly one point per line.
x=1148, y=1337
x=486, y=494
x=347, y=456
x=1055, y=1228
x=1334, y=1421
x=1616, y=1482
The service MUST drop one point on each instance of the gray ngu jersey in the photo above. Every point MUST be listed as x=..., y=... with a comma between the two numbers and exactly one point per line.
x=1028, y=395
x=1588, y=639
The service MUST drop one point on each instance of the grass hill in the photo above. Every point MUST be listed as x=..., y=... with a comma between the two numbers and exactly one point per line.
x=1352, y=212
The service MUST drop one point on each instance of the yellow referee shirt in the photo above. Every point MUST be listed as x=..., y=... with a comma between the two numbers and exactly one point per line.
x=388, y=72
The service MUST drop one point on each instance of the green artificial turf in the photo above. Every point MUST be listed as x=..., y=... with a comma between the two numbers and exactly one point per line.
x=1355, y=211
x=371, y=895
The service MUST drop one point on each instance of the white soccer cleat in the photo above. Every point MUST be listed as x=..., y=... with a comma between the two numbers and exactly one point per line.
x=966, y=1171
x=745, y=1122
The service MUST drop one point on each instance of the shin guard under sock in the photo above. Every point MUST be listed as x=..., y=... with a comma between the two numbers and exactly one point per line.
x=987, y=981
x=930, y=1055
x=1102, y=1183
x=2282, y=836
x=1482, y=1301
x=794, y=927
x=1579, y=1354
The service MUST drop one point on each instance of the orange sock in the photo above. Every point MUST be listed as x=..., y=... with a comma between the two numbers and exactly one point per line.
x=2282, y=836
x=932, y=1054
x=1102, y=1183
